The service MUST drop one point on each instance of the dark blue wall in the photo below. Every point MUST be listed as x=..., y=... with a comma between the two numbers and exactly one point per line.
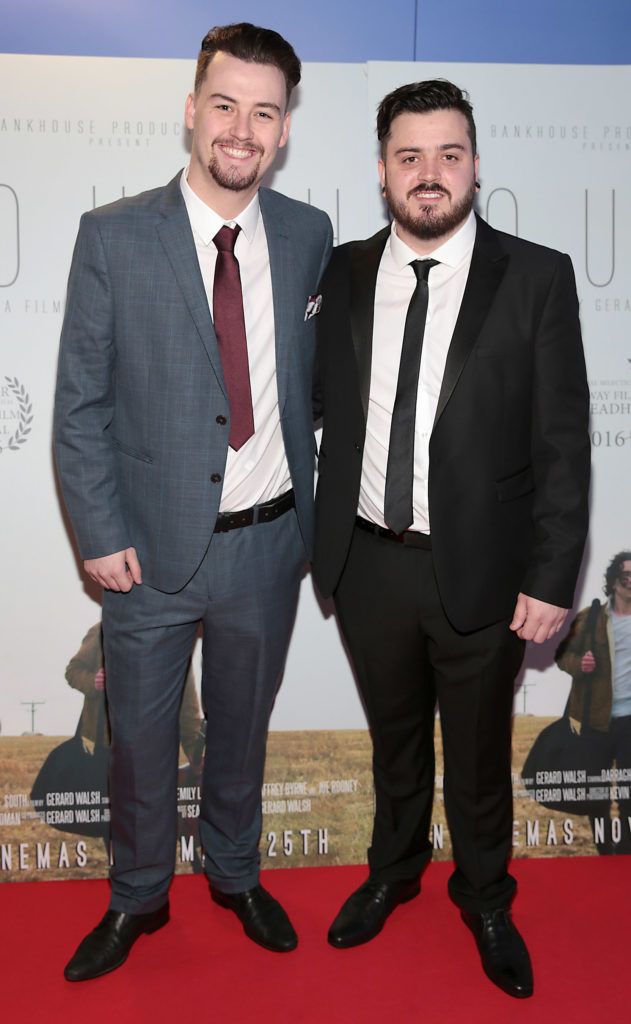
x=536, y=31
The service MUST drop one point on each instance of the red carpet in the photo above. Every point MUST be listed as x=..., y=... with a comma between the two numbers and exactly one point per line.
x=575, y=914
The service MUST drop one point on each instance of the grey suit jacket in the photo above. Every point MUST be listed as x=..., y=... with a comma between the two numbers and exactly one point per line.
x=140, y=453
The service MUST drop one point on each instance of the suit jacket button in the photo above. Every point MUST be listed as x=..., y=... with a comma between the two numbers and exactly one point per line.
x=216, y=478
x=221, y=420
x=357, y=447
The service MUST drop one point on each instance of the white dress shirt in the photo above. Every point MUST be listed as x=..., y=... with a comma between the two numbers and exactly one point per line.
x=396, y=282
x=259, y=470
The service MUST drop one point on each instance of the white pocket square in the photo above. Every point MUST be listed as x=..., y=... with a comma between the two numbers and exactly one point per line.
x=314, y=304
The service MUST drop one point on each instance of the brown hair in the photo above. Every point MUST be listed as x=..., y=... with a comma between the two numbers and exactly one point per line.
x=423, y=98
x=251, y=43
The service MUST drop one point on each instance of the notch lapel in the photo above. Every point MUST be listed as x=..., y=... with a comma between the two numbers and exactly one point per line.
x=488, y=265
x=280, y=259
x=365, y=259
x=176, y=236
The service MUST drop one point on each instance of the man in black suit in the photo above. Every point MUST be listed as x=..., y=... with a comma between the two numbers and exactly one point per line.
x=451, y=504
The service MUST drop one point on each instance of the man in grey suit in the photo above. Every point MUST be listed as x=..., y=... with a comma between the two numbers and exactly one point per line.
x=185, y=449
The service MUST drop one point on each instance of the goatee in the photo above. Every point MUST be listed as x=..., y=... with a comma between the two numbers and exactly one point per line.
x=428, y=223
x=232, y=178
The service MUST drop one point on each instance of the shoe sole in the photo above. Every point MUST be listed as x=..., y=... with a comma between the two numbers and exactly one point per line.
x=505, y=988
x=271, y=949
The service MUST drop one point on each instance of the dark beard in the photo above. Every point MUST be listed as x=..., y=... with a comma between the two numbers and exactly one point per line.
x=429, y=224
x=232, y=179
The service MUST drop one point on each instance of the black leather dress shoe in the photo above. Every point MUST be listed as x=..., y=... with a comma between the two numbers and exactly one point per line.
x=505, y=958
x=367, y=909
x=108, y=945
x=263, y=919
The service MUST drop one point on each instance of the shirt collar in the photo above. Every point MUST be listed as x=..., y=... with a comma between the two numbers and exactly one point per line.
x=206, y=222
x=452, y=252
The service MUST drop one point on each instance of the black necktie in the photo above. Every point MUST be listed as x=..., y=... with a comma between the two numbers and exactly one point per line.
x=398, y=512
x=229, y=324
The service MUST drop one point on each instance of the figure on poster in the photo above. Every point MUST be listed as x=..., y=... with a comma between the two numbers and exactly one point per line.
x=184, y=444
x=605, y=667
x=451, y=509
x=85, y=672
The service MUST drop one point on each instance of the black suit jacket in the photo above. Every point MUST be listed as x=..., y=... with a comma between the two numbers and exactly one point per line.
x=509, y=450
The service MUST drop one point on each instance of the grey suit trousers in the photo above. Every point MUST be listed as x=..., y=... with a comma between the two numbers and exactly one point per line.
x=244, y=594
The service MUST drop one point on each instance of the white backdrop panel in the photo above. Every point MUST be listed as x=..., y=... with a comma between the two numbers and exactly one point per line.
x=555, y=147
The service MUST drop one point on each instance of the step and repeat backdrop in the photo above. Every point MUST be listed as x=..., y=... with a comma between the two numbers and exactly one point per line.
x=555, y=147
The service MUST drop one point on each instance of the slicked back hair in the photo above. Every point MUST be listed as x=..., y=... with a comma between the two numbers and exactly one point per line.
x=423, y=98
x=250, y=43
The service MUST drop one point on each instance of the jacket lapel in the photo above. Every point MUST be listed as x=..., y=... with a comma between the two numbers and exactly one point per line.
x=279, y=249
x=488, y=265
x=365, y=260
x=176, y=236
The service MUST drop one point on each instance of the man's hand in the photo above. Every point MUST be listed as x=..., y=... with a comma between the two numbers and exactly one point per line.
x=588, y=662
x=118, y=571
x=536, y=620
x=99, y=679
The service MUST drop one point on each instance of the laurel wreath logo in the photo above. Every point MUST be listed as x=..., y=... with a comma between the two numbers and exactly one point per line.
x=25, y=406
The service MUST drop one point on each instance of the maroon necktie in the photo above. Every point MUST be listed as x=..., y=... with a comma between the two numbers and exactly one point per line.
x=230, y=330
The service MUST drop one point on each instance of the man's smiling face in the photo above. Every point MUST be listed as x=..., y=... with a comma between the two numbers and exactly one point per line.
x=238, y=120
x=429, y=172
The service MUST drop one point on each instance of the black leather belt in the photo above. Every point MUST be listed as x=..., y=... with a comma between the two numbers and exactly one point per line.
x=411, y=538
x=265, y=513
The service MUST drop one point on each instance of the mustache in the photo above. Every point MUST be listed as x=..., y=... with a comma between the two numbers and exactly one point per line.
x=419, y=189
x=239, y=144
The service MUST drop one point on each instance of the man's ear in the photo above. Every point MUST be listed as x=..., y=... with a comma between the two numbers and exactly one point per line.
x=381, y=169
x=285, y=132
x=189, y=111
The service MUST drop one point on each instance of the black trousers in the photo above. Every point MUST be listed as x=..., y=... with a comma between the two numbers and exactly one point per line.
x=407, y=656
